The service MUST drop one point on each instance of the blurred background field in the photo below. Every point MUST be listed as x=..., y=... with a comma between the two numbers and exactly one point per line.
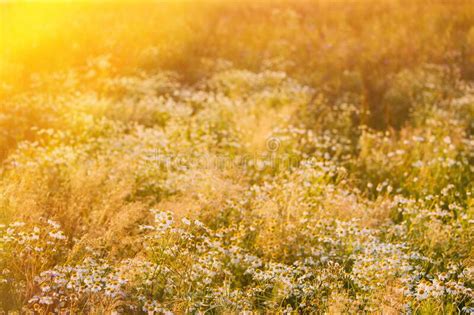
x=228, y=156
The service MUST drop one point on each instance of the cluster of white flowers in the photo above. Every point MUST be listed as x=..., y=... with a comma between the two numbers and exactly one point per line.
x=67, y=286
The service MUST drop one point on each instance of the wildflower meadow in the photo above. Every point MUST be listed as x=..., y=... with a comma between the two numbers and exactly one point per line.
x=237, y=157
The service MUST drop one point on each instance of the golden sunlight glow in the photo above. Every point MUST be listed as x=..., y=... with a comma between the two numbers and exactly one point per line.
x=237, y=157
